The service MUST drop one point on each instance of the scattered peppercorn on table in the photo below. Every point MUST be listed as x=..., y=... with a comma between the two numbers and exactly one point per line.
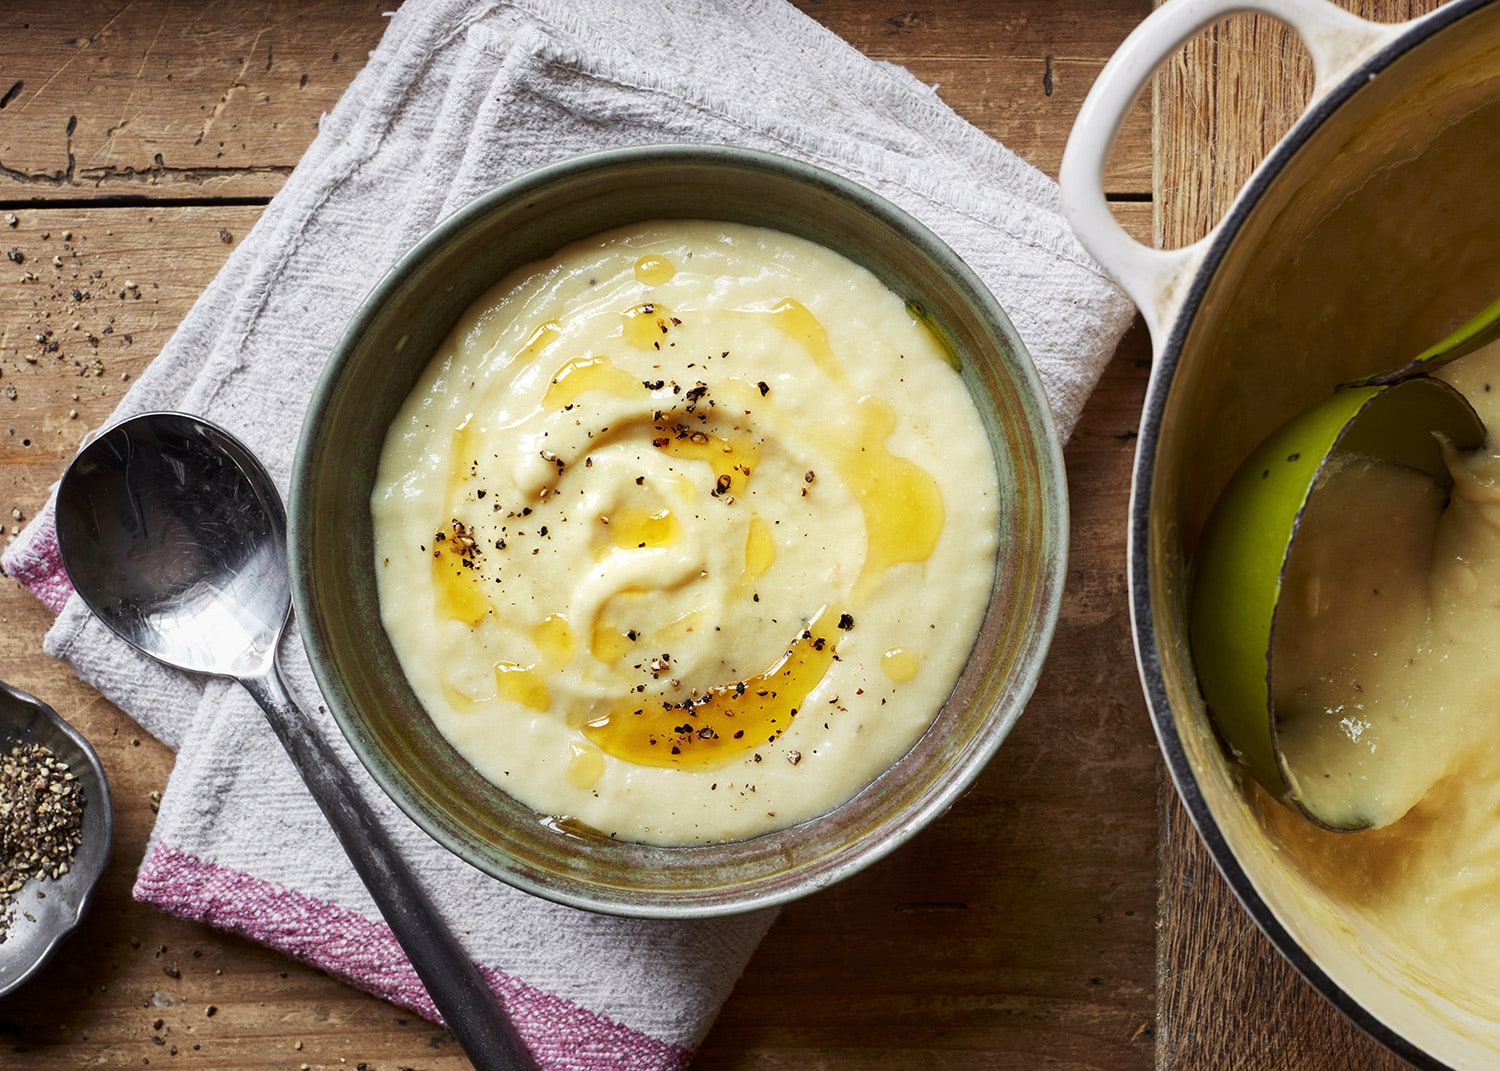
x=1062, y=914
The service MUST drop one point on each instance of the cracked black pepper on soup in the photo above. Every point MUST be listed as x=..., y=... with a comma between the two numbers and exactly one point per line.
x=686, y=534
x=41, y=822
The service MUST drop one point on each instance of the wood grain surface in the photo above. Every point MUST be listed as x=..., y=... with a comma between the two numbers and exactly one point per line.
x=1061, y=915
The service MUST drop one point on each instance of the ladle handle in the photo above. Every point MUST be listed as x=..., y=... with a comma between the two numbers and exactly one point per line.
x=466, y=1003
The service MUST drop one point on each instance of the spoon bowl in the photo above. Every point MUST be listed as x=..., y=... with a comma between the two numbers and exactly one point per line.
x=172, y=544
x=175, y=536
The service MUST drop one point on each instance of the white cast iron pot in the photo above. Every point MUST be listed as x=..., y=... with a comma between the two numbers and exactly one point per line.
x=1371, y=228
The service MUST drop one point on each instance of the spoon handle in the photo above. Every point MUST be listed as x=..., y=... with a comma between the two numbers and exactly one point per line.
x=471, y=1011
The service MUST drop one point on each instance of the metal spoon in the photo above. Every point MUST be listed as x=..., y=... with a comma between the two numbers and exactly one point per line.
x=175, y=536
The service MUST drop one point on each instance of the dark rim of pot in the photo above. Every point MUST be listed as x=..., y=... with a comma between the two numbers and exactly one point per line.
x=1162, y=718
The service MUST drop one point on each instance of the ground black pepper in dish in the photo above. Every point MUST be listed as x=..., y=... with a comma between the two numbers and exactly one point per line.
x=41, y=821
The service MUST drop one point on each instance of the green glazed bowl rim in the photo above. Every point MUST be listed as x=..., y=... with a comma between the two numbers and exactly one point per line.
x=370, y=372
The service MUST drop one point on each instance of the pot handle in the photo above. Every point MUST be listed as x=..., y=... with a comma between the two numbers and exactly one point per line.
x=1156, y=279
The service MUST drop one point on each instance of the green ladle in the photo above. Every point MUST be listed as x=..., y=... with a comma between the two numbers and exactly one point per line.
x=1237, y=571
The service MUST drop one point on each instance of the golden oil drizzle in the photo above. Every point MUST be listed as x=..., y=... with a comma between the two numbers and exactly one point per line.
x=462, y=698
x=901, y=502
x=543, y=336
x=581, y=374
x=760, y=548
x=654, y=269
x=608, y=644
x=646, y=325
x=585, y=765
x=681, y=626
x=731, y=459
x=464, y=450
x=456, y=579
x=553, y=637
x=636, y=527
x=523, y=685
x=455, y=557
x=797, y=322
x=760, y=552
x=708, y=730
x=899, y=664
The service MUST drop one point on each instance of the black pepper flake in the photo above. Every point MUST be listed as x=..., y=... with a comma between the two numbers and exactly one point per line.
x=765, y=388
x=846, y=622
x=41, y=821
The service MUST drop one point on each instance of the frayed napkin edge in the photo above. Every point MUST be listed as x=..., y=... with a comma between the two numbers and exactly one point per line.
x=561, y=1033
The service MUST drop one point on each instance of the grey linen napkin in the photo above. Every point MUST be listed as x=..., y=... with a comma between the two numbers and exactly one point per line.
x=459, y=97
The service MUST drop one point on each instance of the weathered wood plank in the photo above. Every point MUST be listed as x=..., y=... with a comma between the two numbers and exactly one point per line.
x=154, y=99
x=1222, y=102
x=1016, y=69
x=157, y=98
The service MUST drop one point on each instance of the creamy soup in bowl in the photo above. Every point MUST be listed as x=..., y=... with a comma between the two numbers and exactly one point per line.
x=686, y=533
x=508, y=696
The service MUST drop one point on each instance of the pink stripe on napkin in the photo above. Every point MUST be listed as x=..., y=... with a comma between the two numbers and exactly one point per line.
x=35, y=561
x=561, y=1035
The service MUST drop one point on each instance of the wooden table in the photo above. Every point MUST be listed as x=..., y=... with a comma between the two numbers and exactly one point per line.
x=1062, y=915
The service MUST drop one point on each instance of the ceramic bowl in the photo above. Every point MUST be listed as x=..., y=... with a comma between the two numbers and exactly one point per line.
x=45, y=912
x=388, y=343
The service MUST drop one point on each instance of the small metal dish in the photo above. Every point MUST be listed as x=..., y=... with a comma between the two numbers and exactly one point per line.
x=46, y=912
